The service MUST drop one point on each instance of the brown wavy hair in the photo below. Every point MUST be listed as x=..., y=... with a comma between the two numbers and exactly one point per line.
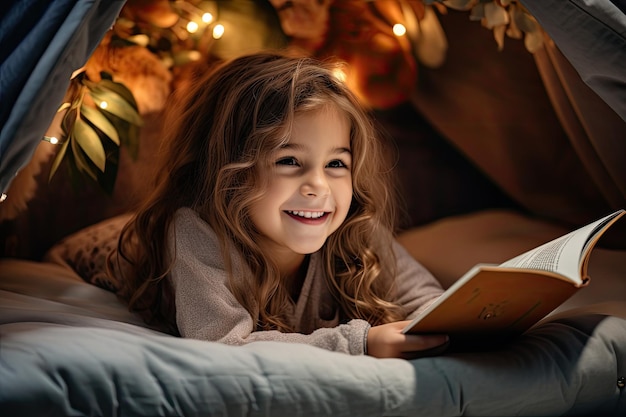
x=229, y=123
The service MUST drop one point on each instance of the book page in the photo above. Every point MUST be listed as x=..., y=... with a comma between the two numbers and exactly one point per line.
x=564, y=255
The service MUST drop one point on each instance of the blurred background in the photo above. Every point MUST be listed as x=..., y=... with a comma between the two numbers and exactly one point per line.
x=479, y=108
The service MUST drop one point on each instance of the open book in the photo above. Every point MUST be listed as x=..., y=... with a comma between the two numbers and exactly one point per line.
x=507, y=299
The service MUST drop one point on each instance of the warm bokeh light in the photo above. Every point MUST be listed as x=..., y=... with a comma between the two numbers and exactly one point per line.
x=192, y=27
x=103, y=104
x=207, y=17
x=194, y=55
x=399, y=29
x=218, y=31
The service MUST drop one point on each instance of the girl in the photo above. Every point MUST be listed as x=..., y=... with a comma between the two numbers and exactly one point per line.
x=272, y=219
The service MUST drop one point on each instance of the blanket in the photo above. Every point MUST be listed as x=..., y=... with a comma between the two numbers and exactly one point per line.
x=70, y=348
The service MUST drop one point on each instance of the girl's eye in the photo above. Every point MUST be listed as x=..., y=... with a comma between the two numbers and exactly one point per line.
x=287, y=161
x=337, y=163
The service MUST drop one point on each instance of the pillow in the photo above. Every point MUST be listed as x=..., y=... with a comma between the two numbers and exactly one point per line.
x=86, y=251
x=450, y=246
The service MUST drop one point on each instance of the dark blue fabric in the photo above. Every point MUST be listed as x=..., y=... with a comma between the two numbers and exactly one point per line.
x=42, y=43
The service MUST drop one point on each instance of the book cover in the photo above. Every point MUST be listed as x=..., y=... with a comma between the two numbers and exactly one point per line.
x=509, y=298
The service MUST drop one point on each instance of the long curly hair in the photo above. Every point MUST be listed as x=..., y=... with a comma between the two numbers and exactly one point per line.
x=229, y=123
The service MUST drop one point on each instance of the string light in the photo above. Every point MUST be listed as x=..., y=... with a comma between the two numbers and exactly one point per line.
x=218, y=31
x=192, y=27
x=52, y=139
x=103, y=104
x=399, y=29
x=3, y=197
x=207, y=17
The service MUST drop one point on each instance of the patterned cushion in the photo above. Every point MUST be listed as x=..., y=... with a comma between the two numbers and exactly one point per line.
x=86, y=251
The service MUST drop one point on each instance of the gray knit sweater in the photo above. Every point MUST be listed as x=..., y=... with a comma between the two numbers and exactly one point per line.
x=206, y=309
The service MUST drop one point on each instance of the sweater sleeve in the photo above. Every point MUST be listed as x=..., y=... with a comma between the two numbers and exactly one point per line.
x=206, y=309
x=416, y=286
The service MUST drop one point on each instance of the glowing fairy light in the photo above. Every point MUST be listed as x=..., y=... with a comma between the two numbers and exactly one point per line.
x=192, y=27
x=218, y=31
x=51, y=139
x=103, y=105
x=207, y=17
x=399, y=29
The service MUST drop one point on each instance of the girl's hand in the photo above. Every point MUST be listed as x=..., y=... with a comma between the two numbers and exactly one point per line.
x=388, y=341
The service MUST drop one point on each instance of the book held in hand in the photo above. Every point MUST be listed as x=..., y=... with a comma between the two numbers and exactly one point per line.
x=507, y=299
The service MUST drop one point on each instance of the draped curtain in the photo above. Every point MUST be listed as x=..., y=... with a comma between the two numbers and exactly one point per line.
x=560, y=153
x=557, y=147
x=42, y=43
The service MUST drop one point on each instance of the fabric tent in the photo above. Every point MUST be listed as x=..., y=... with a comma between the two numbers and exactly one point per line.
x=43, y=43
x=570, y=173
x=571, y=179
x=78, y=351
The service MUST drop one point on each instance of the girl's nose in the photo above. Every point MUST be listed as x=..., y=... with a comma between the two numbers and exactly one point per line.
x=315, y=184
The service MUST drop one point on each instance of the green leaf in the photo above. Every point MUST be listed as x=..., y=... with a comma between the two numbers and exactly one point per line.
x=81, y=162
x=78, y=100
x=129, y=134
x=68, y=121
x=115, y=105
x=63, y=106
x=89, y=141
x=107, y=179
x=120, y=89
x=97, y=119
x=57, y=159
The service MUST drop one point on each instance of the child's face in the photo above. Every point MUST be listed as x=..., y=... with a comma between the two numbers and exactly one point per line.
x=310, y=188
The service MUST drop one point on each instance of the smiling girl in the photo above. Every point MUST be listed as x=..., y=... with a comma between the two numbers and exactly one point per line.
x=273, y=219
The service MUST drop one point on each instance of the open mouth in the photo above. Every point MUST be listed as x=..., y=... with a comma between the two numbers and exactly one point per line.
x=307, y=215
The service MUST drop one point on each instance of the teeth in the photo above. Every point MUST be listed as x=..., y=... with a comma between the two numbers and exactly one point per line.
x=307, y=214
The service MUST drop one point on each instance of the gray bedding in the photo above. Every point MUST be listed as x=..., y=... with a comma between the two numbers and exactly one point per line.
x=69, y=348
